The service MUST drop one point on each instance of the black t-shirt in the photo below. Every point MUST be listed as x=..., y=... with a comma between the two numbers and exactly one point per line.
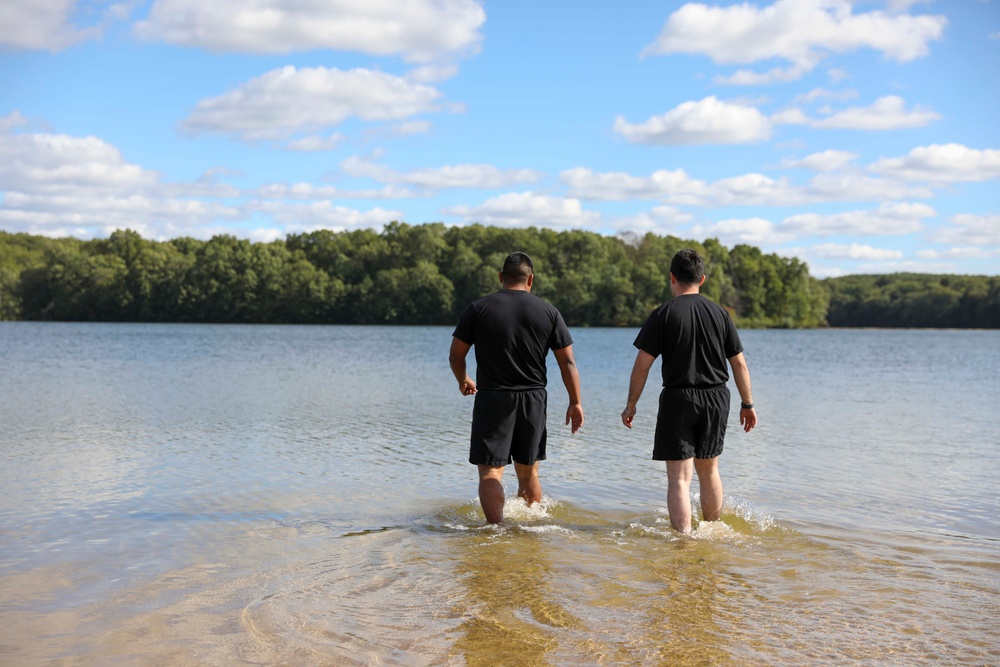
x=512, y=331
x=695, y=336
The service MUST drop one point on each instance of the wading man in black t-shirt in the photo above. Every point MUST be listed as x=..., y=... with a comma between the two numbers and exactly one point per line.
x=695, y=337
x=513, y=331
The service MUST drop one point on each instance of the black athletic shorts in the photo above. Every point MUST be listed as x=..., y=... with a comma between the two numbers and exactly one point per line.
x=508, y=426
x=691, y=423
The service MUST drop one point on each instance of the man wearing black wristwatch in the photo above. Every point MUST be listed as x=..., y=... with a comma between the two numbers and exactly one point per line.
x=696, y=337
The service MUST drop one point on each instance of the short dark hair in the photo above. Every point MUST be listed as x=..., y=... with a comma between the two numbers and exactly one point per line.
x=517, y=268
x=688, y=267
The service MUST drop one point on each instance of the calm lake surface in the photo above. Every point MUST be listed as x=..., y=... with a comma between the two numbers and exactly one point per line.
x=222, y=495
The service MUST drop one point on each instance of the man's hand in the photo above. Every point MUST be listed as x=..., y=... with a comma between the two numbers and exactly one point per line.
x=627, y=415
x=456, y=359
x=636, y=382
x=748, y=418
x=574, y=416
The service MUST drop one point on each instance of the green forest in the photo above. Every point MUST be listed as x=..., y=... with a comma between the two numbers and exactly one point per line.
x=914, y=300
x=427, y=274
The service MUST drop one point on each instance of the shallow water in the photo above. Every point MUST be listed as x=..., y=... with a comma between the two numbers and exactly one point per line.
x=299, y=495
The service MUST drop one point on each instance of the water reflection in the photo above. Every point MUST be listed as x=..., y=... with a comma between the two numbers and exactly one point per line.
x=510, y=604
x=682, y=622
x=571, y=588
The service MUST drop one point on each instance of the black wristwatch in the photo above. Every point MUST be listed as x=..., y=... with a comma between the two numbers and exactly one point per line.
x=746, y=406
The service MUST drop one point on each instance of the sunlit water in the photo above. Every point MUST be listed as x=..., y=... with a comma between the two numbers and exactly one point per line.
x=301, y=496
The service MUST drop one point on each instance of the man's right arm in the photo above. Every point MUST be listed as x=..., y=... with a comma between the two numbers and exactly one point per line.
x=741, y=375
x=571, y=378
x=456, y=359
x=637, y=382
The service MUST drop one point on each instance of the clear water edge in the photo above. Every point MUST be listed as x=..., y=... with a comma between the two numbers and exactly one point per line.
x=289, y=495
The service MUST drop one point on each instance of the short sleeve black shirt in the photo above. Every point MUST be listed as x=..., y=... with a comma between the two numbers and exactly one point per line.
x=512, y=331
x=696, y=338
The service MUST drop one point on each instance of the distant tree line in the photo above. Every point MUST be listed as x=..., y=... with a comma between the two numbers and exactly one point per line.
x=914, y=300
x=427, y=274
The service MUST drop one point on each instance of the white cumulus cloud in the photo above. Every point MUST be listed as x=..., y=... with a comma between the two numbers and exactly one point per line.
x=525, y=209
x=437, y=178
x=823, y=94
x=60, y=164
x=887, y=113
x=790, y=117
x=971, y=230
x=419, y=30
x=707, y=121
x=753, y=189
x=309, y=191
x=853, y=251
x=851, y=186
x=12, y=120
x=746, y=77
x=801, y=32
x=829, y=160
x=659, y=220
x=433, y=73
x=41, y=24
x=903, y=5
x=942, y=163
x=887, y=219
x=56, y=184
x=105, y=213
x=754, y=231
x=309, y=216
x=756, y=190
x=674, y=185
x=973, y=252
x=287, y=101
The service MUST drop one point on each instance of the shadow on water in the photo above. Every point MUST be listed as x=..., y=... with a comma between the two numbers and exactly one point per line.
x=553, y=585
x=563, y=586
x=511, y=614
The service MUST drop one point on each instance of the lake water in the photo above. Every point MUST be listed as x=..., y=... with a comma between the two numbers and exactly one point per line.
x=257, y=495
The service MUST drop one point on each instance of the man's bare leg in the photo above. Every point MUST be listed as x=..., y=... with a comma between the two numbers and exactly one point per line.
x=491, y=492
x=529, y=487
x=679, y=475
x=711, y=487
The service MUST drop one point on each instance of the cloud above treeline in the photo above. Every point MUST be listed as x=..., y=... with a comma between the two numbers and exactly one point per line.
x=714, y=121
x=800, y=32
x=287, y=102
x=399, y=85
x=61, y=184
x=420, y=31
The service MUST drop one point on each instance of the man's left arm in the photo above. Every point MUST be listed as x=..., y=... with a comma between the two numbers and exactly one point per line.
x=741, y=375
x=456, y=359
x=570, y=378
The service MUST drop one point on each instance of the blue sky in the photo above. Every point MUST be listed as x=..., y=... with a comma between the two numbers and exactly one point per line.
x=860, y=136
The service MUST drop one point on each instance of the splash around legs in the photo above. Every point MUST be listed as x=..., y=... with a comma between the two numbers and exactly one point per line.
x=679, y=475
x=491, y=494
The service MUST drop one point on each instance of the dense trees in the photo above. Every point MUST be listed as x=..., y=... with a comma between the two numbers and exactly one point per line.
x=915, y=300
x=426, y=274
